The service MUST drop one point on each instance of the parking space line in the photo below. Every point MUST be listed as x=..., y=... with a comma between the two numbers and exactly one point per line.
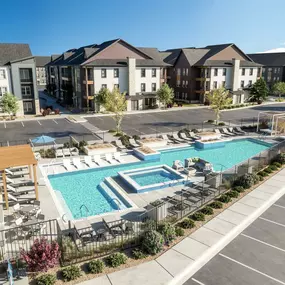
x=152, y=128
x=55, y=121
x=265, y=243
x=198, y=282
x=39, y=122
x=23, y=124
x=99, y=118
x=8, y=143
x=270, y=221
x=253, y=269
x=5, y=125
x=279, y=206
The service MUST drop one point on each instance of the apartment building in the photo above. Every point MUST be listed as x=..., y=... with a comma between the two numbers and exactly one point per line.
x=18, y=76
x=273, y=69
x=197, y=71
x=41, y=62
x=76, y=76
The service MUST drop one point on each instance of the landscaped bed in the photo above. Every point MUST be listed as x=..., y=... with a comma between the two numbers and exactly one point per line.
x=152, y=142
x=99, y=148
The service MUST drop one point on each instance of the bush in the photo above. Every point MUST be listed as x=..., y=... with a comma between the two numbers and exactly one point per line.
x=207, y=210
x=116, y=259
x=179, y=231
x=238, y=189
x=198, y=216
x=136, y=137
x=216, y=205
x=42, y=255
x=277, y=164
x=125, y=140
x=255, y=178
x=152, y=242
x=71, y=273
x=46, y=279
x=138, y=254
x=168, y=232
x=187, y=224
x=268, y=170
x=221, y=124
x=224, y=199
x=96, y=266
x=273, y=167
x=233, y=194
x=262, y=173
x=261, y=178
x=210, y=121
x=280, y=158
x=246, y=180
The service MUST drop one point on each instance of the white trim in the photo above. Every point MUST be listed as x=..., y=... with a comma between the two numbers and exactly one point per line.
x=270, y=221
x=198, y=282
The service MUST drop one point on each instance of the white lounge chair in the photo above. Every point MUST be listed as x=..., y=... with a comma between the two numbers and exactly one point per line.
x=20, y=190
x=18, y=181
x=193, y=135
x=37, y=155
x=120, y=145
x=76, y=162
x=59, y=153
x=217, y=131
x=66, y=152
x=184, y=137
x=177, y=165
x=240, y=130
x=98, y=160
x=88, y=161
x=67, y=164
x=109, y=158
x=226, y=132
x=165, y=137
x=231, y=130
x=177, y=138
x=17, y=173
x=74, y=151
x=11, y=197
x=133, y=143
x=117, y=156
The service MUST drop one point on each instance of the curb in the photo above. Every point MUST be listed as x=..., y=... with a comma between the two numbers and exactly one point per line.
x=215, y=249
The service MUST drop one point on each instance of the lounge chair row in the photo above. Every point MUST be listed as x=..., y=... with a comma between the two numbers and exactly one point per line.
x=66, y=152
x=120, y=145
x=230, y=132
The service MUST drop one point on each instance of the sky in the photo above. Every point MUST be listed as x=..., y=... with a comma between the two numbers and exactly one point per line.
x=54, y=26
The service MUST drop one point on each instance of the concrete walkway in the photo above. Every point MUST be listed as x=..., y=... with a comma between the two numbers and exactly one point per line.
x=184, y=259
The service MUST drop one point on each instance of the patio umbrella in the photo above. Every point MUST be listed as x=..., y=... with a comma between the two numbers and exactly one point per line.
x=42, y=140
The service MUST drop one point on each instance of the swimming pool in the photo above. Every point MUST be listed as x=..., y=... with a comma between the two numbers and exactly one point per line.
x=82, y=187
x=157, y=176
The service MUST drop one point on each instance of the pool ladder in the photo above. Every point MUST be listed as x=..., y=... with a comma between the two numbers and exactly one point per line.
x=117, y=202
x=84, y=206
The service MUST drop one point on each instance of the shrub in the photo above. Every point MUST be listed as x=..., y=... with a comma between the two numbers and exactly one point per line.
x=262, y=173
x=238, y=189
x=280, y=158
x=187, y=224
x=246, y=181
x=216, y=205
x=255, y=178
x=125, y=140
x=116, y=259
x=233, y=194
x=96, y=266
x=225, y=199
x=207, y=210
x=71, y=273
x=221, y=124
x=42, y=255
x=277, y=164
x=138, y=254
x=198, y=216
x=152, y=242
x=179, y=231
x=136, y=137
x=168, y=232
x=273, y=167
x=268, y=170
x=46, y=279
x=210, y=121
x=261, y=178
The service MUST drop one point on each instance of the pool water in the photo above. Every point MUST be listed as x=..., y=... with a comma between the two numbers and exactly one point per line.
x=154, y=177
x=82, y=187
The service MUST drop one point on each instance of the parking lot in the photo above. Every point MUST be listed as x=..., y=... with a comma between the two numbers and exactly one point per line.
x=256, y=256
x=12, y=133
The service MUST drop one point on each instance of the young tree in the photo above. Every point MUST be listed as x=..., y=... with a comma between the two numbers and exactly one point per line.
x=115, y=102
x=9, y=104
x=279, y=88
x=218, y=98
x=165, y=94
x=259, y=90
x=103, y=93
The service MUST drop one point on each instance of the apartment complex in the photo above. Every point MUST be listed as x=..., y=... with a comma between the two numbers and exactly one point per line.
x=41, y=62
x=273, y=66
x=76, y=76
x=197, y=71
x=18, y=76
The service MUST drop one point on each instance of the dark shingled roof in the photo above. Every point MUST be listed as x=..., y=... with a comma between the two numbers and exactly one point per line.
x=269, y=59
x=41, y=61
x=225, y=63
x=10, y=52
x=170, y=56
x=194, y=55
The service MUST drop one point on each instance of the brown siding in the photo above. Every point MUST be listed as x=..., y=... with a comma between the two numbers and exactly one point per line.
x=228, y=54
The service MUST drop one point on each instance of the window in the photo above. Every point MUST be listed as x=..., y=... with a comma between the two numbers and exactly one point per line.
x=224, y=71
x=251, y=71
x=216, y=72
x=103, y=86
x=153, y=72
x=242, y=84
x=177, y=83
x=183, y=71
x=243, y=71
x=116, y=86
x=178, y=71
x=215, y=84
x=116, y=72
x=103, y=73
x=278, y=69
x=274, y=78
x=223, y=83
x=183, y=83
x=249, y=83
x=26, y=75
x=186, y=83
x=269, y=74
x=3, y=90
x=143, y=72
x=177, y=95
x=186, y=71
x=277, y=78
x=2, y=74
x=153, y=86
x=26, y=91
x=142, y=87
x=275, y=70
x=146, y=101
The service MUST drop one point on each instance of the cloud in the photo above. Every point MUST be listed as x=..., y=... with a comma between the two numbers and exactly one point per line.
x=281, y=49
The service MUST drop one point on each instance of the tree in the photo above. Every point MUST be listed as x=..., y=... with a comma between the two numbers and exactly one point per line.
x=100, y=98
x=115, y=102
x=218, y=98
x=259, y=90
x=165, y=94
x=279, y=88
x=9, y=104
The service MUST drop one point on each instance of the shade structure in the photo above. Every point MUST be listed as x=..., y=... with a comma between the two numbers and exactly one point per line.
x=42, y=140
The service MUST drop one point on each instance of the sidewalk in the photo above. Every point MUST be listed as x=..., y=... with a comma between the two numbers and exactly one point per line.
x=184, y=259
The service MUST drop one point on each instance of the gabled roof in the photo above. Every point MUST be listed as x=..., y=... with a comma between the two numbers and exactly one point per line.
x=41, y=61
x=10, y=52
x=170, y=56
x=269, y=59
x=194, y=55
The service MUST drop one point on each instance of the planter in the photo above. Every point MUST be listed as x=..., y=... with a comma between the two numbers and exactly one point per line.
x=153, y=144
x=155, y=156
x=208, y=145
x=106, y=148
x=157, y=213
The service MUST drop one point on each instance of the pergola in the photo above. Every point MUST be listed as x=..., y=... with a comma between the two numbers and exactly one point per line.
x=16, y=156
x=274, y=118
